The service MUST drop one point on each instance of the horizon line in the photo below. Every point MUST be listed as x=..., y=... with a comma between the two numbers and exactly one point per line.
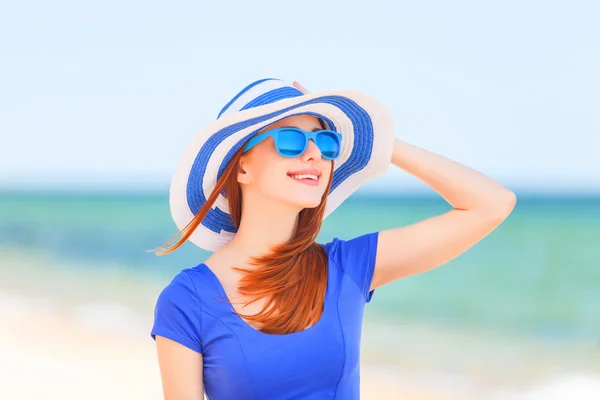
x=160, y=192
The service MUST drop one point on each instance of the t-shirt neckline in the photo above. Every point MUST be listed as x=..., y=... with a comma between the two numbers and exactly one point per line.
x=247, y=326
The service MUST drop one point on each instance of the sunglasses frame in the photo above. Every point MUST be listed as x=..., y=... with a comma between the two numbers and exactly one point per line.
x=274, y=133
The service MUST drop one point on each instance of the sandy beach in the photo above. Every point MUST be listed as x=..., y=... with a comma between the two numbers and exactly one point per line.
x=53, y=355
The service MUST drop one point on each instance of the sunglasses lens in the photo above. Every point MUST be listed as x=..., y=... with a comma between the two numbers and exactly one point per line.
x=291, y=142
x=329, y=145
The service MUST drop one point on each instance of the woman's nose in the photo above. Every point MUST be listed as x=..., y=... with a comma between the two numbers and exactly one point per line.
x=312, y=152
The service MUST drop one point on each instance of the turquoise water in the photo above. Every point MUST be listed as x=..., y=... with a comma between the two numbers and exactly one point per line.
x=538, y=274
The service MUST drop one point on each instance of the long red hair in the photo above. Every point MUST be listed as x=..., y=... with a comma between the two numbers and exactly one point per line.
x=292, y=277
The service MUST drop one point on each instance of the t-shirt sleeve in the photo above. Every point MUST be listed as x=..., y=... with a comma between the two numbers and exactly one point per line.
x=178, y=312
x=357, y=259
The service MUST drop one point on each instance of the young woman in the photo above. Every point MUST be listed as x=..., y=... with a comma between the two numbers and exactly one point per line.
x=272, y=314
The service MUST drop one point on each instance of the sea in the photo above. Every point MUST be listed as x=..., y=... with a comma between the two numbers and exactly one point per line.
x=518, y=311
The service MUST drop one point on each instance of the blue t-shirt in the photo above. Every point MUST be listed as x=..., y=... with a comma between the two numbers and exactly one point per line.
x=240, y=362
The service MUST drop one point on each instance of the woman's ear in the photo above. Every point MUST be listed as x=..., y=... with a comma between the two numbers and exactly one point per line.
x=243, y=176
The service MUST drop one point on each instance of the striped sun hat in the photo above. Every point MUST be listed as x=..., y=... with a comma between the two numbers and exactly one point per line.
x=367, y=143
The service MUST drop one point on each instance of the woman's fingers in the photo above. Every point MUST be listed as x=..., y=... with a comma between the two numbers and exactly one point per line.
x=300, y=87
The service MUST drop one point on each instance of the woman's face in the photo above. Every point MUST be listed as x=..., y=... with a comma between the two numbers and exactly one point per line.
x=299, y=181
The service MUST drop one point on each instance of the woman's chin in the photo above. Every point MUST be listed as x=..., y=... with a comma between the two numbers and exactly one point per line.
x=306, y=201
x=309, y=197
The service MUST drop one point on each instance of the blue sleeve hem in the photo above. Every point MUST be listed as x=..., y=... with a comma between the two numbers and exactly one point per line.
x=158, y=331
x=370, y=240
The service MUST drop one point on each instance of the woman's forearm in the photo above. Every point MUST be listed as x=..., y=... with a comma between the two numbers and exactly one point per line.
x=462, y=187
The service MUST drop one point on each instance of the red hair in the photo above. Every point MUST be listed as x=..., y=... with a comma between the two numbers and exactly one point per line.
x=292, y=277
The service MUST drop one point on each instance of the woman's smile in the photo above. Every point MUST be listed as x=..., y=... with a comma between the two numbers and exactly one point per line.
x=307, y=176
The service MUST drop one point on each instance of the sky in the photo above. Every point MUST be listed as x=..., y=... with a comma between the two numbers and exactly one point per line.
x=105, y=95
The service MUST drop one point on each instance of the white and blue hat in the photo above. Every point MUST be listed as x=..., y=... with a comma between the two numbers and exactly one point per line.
x=367, y=143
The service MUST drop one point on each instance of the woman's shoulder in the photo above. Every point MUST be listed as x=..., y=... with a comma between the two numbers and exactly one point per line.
x=340, y=249
x=188, y=282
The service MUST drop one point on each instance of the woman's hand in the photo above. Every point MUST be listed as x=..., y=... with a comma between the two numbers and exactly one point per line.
x=300, y=87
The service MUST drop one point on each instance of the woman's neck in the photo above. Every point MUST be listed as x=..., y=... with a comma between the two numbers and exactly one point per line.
x=261, y=228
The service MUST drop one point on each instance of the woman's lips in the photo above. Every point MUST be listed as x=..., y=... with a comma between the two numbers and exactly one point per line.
x=307, y=176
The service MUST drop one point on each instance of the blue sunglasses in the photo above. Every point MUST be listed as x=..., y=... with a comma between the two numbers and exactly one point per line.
x=292, y=142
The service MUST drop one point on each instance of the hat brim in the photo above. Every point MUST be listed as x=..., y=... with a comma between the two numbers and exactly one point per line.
x=367, y=143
